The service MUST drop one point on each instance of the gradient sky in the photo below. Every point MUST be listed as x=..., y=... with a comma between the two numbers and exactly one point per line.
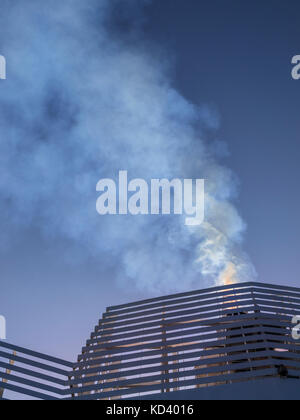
x=232, y=56
x=236, y=56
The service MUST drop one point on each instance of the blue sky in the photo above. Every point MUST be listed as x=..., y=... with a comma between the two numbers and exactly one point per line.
x=237, y=57
x=160, y=84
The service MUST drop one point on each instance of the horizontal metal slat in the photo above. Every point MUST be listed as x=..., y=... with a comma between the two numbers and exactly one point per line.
x=239, y=286
x=26, y=391
x=33, y=384
x=220, y=330
x=32, y=373
x=218, y=315
x=216, y=379
x=201, y=300
x=247, y=320
x=29, y=362
x=217, y=370
x=192, y=302
x=178, y=364
x=209, y=319
x=180, y=346
x=231, y=305
x=198, y=310
x=165, y=299
x=36, y=354
x=84, y=369
x=149, y=354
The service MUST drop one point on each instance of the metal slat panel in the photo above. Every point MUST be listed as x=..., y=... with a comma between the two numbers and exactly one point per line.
x=270, y=294
x=277, y=298
x=165, y=359
x=33, y=374
x=142, y=319
x=29, y=362
x=202, y=316
x=159, y=326
x=201, y=338
x=181, y=345
x=23, y=380
x=216, y=370
x=201, y=298
x=276, y=292
x=227, y=299
x=244, y=347
x=178, y=323
x=189, y=334
x=147, y=345
x=26, y=391
x=247, y=320
x=247, y=327
x=198, y=354
x=36, y=354
x=33, y=384
x=238, y=287
x=205, y=305
x=206, y=318
x=223, y=378
x=276, y=287
x=179, y=295
x=179, y=365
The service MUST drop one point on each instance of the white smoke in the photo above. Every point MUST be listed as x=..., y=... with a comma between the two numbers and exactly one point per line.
x=81, y=103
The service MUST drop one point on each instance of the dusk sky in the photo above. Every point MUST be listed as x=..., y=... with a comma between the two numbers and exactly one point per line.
x=163, y=89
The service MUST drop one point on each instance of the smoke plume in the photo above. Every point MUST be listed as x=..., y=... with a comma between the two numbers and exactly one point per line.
x=84, y=98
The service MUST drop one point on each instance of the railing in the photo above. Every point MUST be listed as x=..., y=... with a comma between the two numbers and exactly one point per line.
x=35, y=375
x=190, y=340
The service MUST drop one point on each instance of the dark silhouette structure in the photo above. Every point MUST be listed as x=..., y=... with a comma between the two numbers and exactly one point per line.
x=171, y=347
